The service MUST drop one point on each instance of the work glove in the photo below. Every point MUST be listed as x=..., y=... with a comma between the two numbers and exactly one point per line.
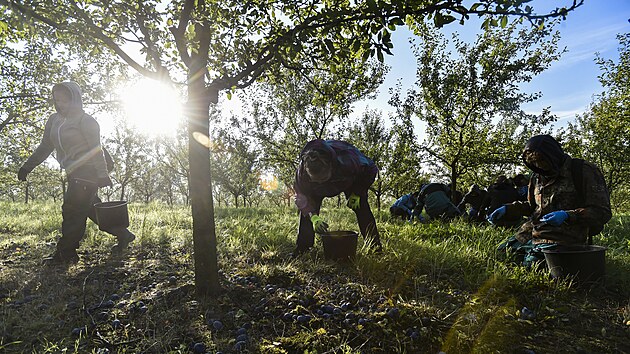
x=22, y=173
x=319, y=225
x=104, y=182
x=354, y=202
x=497, y=214
x=555, y=217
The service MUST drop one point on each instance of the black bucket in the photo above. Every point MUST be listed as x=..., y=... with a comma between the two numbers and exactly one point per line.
x=339, y=245
x=112, y=215
x=586, y=262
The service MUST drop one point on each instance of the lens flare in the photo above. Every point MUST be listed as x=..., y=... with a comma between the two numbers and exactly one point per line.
x=269, y=182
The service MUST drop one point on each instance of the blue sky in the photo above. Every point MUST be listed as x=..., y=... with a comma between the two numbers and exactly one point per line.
x=567, y=86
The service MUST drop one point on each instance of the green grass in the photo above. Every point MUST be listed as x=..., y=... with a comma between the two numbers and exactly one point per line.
x=446, y=281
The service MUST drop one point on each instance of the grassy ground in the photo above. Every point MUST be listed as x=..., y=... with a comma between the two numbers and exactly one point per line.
x=436, y=287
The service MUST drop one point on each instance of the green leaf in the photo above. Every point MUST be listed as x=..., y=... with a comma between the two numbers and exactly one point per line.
x=372, y=5
x=504, y=21
x=366, y=55
x=3, y=27
x=329, y=45
x=440, y=20
x=379, y=55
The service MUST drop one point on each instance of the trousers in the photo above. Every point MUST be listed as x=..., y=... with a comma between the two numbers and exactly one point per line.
x=77, y=207
x=365, y=218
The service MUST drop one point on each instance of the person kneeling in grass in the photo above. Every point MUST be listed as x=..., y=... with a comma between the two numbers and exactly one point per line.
x=568, y=202
x=405, y=207
x=328, y=168
x=434, y=198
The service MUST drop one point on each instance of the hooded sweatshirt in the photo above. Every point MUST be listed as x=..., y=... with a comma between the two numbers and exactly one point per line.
x=474, y=197
x=434, y=199
x=407, y=203
x=499, y=194
x=74, y=136
x=554, y=190
x=352, y=173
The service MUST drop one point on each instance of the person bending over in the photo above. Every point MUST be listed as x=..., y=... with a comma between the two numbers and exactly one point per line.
x=328, y=168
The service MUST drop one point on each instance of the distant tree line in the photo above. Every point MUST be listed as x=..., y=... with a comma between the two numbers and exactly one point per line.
x=468, y=103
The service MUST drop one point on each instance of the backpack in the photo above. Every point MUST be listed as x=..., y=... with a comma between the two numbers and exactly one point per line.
x=577, y=173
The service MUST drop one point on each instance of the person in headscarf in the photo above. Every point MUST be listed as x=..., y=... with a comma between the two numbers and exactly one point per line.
x=560, y=212
x=328, y=168
x=75, y=137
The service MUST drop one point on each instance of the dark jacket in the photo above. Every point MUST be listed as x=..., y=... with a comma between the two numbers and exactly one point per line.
x=557, y=191
x=353, y=172
x=498, y=195
x=74, y=136
x=434, y=198
x=474, y=197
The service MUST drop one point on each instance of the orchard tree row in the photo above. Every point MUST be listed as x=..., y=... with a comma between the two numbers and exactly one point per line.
x=313, y=59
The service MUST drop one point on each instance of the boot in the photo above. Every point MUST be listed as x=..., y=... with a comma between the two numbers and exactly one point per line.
x=61, y=258
x=123, y=242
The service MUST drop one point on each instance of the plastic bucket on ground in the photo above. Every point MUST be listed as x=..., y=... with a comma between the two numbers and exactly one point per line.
x=587, y=263
x=339, y=245
x=111, y=215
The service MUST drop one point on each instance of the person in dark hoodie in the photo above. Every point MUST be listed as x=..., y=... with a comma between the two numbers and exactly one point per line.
x=558, y=213
x=328, y=168
x=434, y=198
x=75, y=136
x=501, y=192
x=475, y=198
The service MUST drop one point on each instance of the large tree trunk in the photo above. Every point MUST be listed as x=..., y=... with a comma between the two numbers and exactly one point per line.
x=200, y=183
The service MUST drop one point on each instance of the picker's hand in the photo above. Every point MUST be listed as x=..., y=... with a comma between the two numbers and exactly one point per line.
x=319, y=225
x=22, y=173
x=354, y=202
x=497, y=214
x=555, y=217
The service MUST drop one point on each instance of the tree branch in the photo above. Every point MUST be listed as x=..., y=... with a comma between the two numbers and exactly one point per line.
x=180, y=31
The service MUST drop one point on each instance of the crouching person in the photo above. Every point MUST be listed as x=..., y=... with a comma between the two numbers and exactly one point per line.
x=568, y=202
x=328, y=168
x=475, y=198
x=405, y=207
x=434, y=198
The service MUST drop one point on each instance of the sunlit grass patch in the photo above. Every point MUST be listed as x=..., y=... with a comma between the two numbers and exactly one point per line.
x=436, y=286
